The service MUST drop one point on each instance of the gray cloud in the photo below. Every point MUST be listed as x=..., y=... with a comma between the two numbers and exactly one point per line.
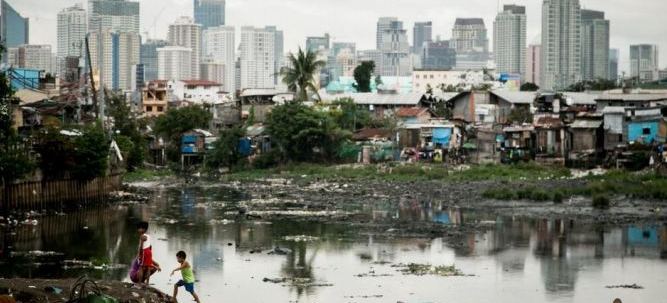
x=638, y=21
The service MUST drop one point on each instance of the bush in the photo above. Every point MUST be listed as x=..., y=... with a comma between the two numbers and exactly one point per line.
x=601, y=202
x=267, y=160
x=558, y=197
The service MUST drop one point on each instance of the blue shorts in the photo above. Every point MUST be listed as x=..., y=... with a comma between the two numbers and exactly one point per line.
x=189, y=287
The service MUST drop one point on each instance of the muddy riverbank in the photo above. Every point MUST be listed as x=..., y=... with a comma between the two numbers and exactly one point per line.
x=54, y=291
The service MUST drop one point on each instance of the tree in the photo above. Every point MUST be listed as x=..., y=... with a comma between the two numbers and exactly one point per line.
x=448, y=88
x=429, y=89
x=300, y=77
x=127, y=132
x=225, y=151
x=529, y=87
x=520, y=115
x=303, y=134
x=362, y=75
x=175, y=122
x=594, y=85
x=444, y=109
x=91, y=153
x=15, y=161
x=348, y=115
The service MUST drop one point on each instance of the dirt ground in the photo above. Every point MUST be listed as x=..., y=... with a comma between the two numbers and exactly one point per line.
x=54, y=291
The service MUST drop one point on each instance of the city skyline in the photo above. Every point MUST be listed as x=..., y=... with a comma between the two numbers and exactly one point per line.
x=360, y=26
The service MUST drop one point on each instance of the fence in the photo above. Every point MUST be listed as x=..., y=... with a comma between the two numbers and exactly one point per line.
x=56, y=194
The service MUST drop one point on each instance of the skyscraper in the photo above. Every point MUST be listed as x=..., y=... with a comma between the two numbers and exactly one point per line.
x=34, y=57
x=594, y=45
x=257, y=58
x=174, y=63
x=509, y=40
x=71, y=31
x=383, y=24
x=113, y=15
x=186, y=33
x=220, y=47
x=149, y=56
x=14, y=28
x=209, y=13
x=561, y=43
x=422, y=32
x=279, y=52
x=614, y=55
x=438, y=55
x=112, y=56
x=315, y=44
x=395, y=51
x=469, y=38
x=644, y=62
x=533, y=64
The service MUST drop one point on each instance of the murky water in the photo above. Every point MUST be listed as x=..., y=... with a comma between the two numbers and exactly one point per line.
x=538, y=260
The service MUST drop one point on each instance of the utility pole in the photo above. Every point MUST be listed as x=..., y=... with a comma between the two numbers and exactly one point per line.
x=90, y=75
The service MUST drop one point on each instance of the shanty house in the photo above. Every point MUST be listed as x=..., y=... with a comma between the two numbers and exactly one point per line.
x=258, y=102
x=414, y=115
x=380, y=105
x=551, y=139
x=507, y=101
x=586, y=139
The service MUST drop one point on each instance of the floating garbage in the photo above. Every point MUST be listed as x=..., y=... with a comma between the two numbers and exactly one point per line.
x=301, y=238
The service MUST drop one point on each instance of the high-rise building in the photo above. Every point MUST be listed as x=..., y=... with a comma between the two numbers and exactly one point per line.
x=533, y=64
x=469, y=38
x=113, y=15
x=220, y=47
x=257, y=55
x=71, y=31
x=395, y=51
x=438, y=55
x=383, y=24
x=644, y=62
x=346, y=62
x=335, y=67
x=372, y=55
x=213, y=71
x=509, y=40
x=186, y=33
x=561, y=44
x=32, y=56
x=315, y=44
x=138, y=77
x=421, y=33
x=594, y=45
x=148, y=57
x=112, y=56
x=209, y=13
x=279, y=51
x=14, y=28
x=614, y=55
x=174, y=63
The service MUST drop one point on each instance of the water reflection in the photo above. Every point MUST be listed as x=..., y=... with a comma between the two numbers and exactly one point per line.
x=535, y=260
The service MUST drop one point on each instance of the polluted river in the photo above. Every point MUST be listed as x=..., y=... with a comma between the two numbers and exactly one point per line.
x=277, y=241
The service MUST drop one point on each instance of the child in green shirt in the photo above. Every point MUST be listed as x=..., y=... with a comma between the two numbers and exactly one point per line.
x=188, y=276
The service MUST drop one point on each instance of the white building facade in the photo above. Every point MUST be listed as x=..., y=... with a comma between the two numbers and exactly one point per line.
x=509, y=40
x=186, y=33
x=72, y=29
x=173, y=63
x=112, y=56
x=113, y=15
x=219, y=46
x=561, y=44
x=257, y=58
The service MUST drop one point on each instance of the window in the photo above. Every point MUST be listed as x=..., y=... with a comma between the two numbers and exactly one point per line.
x=646, y=131
x=160, y=109
x=149, y=108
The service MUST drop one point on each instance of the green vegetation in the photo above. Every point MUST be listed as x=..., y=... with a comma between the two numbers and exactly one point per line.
x=348, y=115
x=594, y=85
x=127, y=133
x=362, y=75
x=300, y=77
x=529, y=87
x=225, y=151
x=175, y=122
x=146, y=175
x=601, y=202
x=633, y=185
x=520, y=115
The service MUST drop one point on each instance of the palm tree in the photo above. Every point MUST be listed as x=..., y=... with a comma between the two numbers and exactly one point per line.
x=300, y=77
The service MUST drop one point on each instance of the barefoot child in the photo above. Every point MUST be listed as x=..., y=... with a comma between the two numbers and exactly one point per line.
x=145, y=255
x=188, y=276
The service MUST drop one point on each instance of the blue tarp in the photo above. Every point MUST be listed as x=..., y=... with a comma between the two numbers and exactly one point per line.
x=244, y=147
x=643, y=236
x=441, y=136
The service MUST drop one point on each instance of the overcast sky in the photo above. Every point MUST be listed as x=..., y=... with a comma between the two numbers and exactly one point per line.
x=632, y=21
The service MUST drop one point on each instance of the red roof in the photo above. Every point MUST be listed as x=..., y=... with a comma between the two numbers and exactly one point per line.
x=549, y=122
x=369, y=133
x=200, y=83
x=410, y=111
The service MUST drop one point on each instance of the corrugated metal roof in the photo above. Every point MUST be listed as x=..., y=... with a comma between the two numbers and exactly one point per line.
x=516, y=97
x=581, y=98
x=515, y=129
x=261, y=92
x=377, y=99
x=632, y=97
x=586, y=124
x=613, y=110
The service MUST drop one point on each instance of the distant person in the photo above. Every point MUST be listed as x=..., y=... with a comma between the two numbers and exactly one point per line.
x=187, y=274
x=145, y=255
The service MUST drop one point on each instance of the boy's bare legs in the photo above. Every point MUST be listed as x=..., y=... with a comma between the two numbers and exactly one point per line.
x=194, y=295
x=175, y=293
